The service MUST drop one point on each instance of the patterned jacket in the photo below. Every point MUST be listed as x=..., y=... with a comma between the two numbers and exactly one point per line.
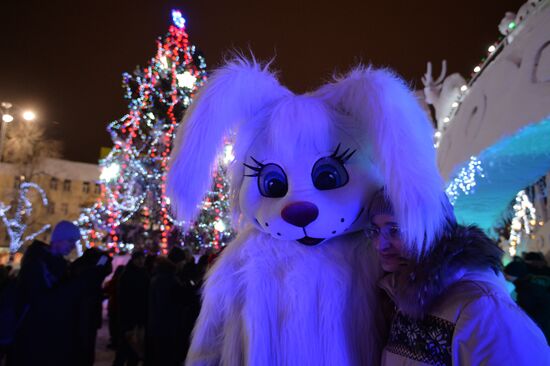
x=453, y=309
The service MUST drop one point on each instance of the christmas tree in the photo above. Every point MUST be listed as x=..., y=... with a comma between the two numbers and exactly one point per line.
x=133, y=209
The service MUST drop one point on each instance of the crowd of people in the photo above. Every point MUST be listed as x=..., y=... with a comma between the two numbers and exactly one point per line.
x=153, y=304
x=51, y=309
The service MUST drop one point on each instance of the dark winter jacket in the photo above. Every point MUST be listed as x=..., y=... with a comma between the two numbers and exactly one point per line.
x=132, y=297
x=41, y=271
x=47, y=306
x=164, y=322
x=453, y=309
x=88, y=309
x=533, y=295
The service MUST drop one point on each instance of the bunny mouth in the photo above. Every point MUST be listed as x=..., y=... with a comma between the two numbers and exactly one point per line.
x=309, y=241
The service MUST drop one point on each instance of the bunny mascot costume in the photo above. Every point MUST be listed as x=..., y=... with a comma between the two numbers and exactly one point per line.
x=298, y=284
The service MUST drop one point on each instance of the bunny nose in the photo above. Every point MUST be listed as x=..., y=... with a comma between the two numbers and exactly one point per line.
x=300, y=213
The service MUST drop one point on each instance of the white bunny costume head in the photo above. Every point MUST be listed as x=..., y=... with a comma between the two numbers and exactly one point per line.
x=306, y=165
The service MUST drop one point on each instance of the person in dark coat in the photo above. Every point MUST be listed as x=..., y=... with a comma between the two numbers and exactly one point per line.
x=45, y=302
x=8, y=318
x=89, y=271
x=533, y=293
x=165, y=316
x=132, y=310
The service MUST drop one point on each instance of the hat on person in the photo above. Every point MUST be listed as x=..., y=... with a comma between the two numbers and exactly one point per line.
x=517, y=269
x=176, y=255
x=65, y=230
x=138, y=254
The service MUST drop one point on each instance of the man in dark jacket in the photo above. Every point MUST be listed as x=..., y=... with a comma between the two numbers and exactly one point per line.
x=44, y=302
x=132, y=303
x=164, y=336
x=533, y=293
x=88, y=271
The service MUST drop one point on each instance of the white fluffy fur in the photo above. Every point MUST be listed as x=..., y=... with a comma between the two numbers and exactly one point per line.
x=235, y=93
x=270, y=300
x=258, y=309
x=402, y=140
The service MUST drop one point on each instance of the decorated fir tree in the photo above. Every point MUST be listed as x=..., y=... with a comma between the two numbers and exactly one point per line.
x=133, y=209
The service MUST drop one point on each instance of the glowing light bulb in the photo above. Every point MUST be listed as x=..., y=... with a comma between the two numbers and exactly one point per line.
x=219, y=226
x=7, y=118
x=454, y=105
x=437, y=134
x=178, y=19
x=491, y=48
x=29, y=115
x=463, y=88
x=186, y=80
x=228, y=155
x=477, y=69
x=110, y=172
x=446, y=120
x=512, y=25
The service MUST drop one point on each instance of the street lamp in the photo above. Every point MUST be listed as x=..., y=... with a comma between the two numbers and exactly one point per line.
x=29, y=115
x=7, y=117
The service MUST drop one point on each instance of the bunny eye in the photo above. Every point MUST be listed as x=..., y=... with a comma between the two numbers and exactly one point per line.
x=329, y=173
x=272, y=180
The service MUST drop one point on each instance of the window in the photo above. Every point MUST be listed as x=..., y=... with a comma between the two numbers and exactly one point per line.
x=97, y=188
x=53, y=184
x=67, y=185
x=51, y=207
x=64, y=208
x=86, y=187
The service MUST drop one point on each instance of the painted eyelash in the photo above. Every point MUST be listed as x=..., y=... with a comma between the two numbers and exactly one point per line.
x=344, y=156
x=257, y=168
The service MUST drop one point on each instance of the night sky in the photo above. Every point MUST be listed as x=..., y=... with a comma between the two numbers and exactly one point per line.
x=65, y=58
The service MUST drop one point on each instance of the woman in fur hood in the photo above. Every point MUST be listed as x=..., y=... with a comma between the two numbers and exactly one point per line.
x=451, y=304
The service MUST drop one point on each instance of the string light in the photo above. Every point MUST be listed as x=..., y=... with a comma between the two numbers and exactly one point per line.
x=476, y=71
x=17, y=225
x=524, y=220
x=465, y=181
x=133, y=180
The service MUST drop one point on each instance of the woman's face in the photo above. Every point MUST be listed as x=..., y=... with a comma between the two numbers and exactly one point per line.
x=387, y=241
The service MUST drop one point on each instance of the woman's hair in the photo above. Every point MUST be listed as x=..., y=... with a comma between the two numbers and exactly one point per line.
x=381, y=204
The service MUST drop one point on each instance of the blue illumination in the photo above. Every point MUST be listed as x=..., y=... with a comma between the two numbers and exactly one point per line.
x=509, y=165
x=178, y=19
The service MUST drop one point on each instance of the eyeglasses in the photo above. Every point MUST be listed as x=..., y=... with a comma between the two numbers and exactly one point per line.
x=388, y=232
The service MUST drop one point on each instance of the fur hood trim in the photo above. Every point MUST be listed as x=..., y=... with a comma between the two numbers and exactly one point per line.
x=465, y=248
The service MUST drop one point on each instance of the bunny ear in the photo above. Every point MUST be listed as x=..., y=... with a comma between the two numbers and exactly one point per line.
x=232, y=95
x=402, y=139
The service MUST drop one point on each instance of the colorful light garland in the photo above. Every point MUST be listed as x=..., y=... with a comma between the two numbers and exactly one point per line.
x=134, y=173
